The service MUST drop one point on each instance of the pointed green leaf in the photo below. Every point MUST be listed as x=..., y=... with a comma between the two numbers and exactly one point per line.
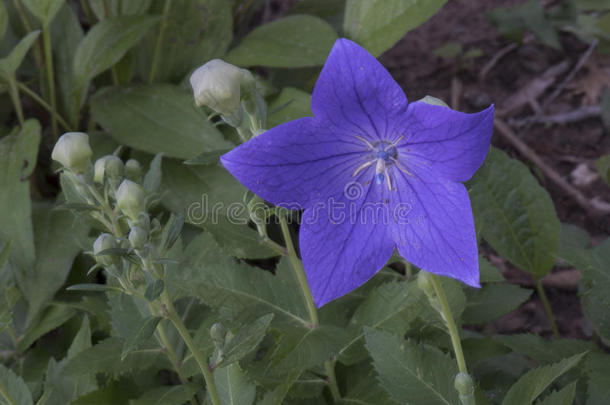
x=195, y=32
x=534, y=382
x=152, y=179
x=13, y=390
x=141, y=335
x=594, y=265
x=597, y=366
x=107, y=42
x=105, y=357
x=238, y=289
x=233, y=386
x=158, y=118
x=542, y=350
x=564, y=396
x=58, y=238
x=53, y=317
x=246, y=340
x=18, y=154
x=362, y=387
x=391, y=307
x=515, y=214
x=10, y=63
x=93, y=287
x=379, y=24
x=293, y=41
x=154, y=290
x=412, y=374
x=289, y=105
x=44, y=10
x=170, y=395
x=492, y=301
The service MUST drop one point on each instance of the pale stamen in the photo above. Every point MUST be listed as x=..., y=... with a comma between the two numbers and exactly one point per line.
x=364, y=166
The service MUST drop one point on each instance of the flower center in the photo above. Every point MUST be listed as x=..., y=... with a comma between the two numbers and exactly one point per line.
x=383, y=155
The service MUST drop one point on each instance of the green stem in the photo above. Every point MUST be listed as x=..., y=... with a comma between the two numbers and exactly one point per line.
x=297, y=265
x=14, y=93
x=48, y=56
x=157, y=52
x=547, y=308
x=43, y=103
x=28, y=28
x=199, y=357
x=451, y=326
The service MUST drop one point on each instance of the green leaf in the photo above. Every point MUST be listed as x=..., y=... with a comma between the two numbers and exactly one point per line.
x=92, y=287
x=113, y=8
x=141, y=335
x=212, y=199
x=158, y=118
x=114, y=393
x=66, y=35
x=293, y=41
x=246, y=340
x=488, y=272
x=169, y=395
x=53, y=317
x=594, y=265
x=603, y=165
x=289, y=105
x=529, y=16
x=13, y=390
x=535, y=381
x=10, y=63
x=597, y=366
x=573, y=237
x=362, y=387
x=411, y=373
x=105, y=357
x=233, y=386
x=105, y=44
x=565, y=396
x=391, y=306
x=152, y=179
x=492, y=301
x=58, y=238
x=207, y=158
x=3, y=20
x=515, y=214
x=154, y=290
x=60, y=389
x=542, y=350
x=44, y=10
x=238, y=289
x=196, y=32
x=378, y=24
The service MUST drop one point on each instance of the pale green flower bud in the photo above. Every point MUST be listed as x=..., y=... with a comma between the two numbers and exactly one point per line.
x=104, y=242
x=218, y=334
x=72, y=150
x=465, y=387
x=131, y=199
x=217, y=85
x=138, y=237
x=110, y=166
x=133, y=170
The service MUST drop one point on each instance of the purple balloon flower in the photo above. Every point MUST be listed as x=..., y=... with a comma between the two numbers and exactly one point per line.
x=373, y=174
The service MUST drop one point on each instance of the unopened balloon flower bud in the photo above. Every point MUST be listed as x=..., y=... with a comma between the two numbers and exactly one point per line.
x=131, y=199
x=133, y=170
x=104, y=242
x=110, y=166
x=217, y=85
x=138, y=237
x=218, y=334
x=72, y=150
x=465, y=387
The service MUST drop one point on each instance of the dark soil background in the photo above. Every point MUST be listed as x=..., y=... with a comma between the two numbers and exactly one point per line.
x=569, y=149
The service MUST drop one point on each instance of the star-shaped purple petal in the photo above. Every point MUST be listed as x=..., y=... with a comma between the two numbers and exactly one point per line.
x=373, y=174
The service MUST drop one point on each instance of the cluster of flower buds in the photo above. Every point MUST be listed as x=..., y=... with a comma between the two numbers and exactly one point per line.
x=116, y=198
x=231, y=92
